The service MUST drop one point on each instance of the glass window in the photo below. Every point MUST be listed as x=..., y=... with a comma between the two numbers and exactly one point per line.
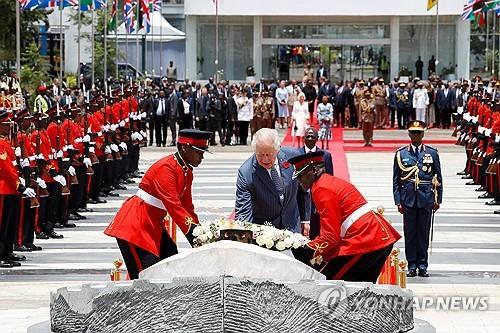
x=235, y=51
x=326, y=31
x=484, y=48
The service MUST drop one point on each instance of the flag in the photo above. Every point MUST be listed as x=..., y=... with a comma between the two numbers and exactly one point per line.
x=29, y=4
x=88, y=5
x=431, y=4
x=128, y=16
x=155, y=5
x=57, y=3
x=146, y=18
x=112, y=22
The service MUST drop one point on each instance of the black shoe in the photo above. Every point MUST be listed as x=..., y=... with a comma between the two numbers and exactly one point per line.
x=103, y=194
x=72, y=217
x=493, y=202
x=22, y=248
x=16, y=257
x=5, y=264
x=58, y=225
x=42, y=235
x=213, y=143
x=70, y=225
x=471, y=183
x=158, y=145
x=92, y=201
x=15, y=263
x=462, y=173
x=467, y=177
x=423, y=273
x=129, y=181
x=496, y=212
x=120, y=187
x=85, y=210
x=485, y=196
x=81, y=217
x=34, y=247
x=113, y=194
x=480, y=189
x=54, y=234
x=99, y=200
x=172, y=144
x=412, y=272
x=163, y=145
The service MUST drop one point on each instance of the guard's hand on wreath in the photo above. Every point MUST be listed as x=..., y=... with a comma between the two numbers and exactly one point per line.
x=189, y=234
x=304, y=254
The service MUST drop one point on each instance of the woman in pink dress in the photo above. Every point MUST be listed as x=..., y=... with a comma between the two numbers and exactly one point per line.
x=300, y=119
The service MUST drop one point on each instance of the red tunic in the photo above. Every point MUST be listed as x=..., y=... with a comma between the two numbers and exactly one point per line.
x=142, y=223
x=10, y=176
x=337, y=203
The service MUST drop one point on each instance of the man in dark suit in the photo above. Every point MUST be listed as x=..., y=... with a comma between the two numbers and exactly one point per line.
x=341, y=102
x=261, y=86
x=160, y=110
x=310, y=140
x=445, y=100
x=67, y=98
x=265, y=190
x=201, y=112
x=326, y=89
x=147, y=105
x=173, y=114
x=321, y=72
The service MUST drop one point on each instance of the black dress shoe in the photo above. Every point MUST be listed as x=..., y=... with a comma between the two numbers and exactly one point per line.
x=129, y=181
x=172, y=144
x=113, y=194
x=85, y=210
x=34, y=247
x=486, y=196
x=73, y=217
x=461, y=173
x=412, y=273
x=120, y=187
x=22, y=248
x=54, y=234
x=100, y=201
x=470, y=183
x=15, y=263
x=480, y=189
x=42, y=235
x=58, y=225
x=92, y=201
x=70, y=225
x=423, y=273
x=16, y=257
x=496, y=212
x=5, y=264
x=467, y=177
x=81, y=217
x=493, y=202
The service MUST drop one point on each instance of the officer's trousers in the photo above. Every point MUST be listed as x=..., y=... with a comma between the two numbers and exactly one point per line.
x=416, y=227
x=9, y=210
x=26, y=223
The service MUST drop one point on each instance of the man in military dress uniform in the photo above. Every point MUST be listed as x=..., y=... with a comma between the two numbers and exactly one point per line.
x=418, y=191
x=142, y=225
x=354, y=241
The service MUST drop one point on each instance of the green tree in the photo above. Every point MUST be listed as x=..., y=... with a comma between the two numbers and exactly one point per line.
x=30, y=20
x=34, y=72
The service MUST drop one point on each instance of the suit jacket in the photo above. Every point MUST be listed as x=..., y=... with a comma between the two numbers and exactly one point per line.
x=147, y=105
x=258, y=201
x=167, y=107
x=261, y=87
x=173, y=111
x=327, y=157
x=341, y=97
x=201, y=107
x=65, y=100
x=319, y=74
x=445, y=102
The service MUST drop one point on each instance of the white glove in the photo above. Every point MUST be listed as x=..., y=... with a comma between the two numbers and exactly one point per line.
x=66, y=148
x=134, y=136
x=487, y=132
x=127, y=120
x=60, y=179
x=113, y=127
x=72, y=171
x=41, y=182
x=86, y=138
x=79, y=140
x=107, y=150
x=99, y=133
x=25, y=163
x=87, y=162
x=92, y=150
x=123, y=145
x=133, y=117
x=497, y=137
x=143, y=115
x=139, y=137
x=480, y=129
x=22, y=181
x=114, y=148
x=29, y=192
x=17, y=151
x=143, y=133
x=59, y=154
x=31, y=158
x=122, y=123
x=40, y=156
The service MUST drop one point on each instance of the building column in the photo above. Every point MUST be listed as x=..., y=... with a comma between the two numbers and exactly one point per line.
x=257, y=46
x=462, y=47
x=394, y=47
x=191, y=47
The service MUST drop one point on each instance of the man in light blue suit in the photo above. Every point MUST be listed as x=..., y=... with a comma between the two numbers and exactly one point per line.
x=265, y=190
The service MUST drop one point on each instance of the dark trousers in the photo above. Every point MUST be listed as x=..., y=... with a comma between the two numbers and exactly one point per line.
x=152, y=125
x=96, y=185
x=214, y=126
x=26, y=223
x=77, y=194
x=172, y=124
x=243, y=129
x=161, y=126
x=402, y=115
x=186, y=122
x=358, y=268
x=41, y=224
x=446, y=117
x=340, y=116
x=392, y=111
x=55, y=204
x=437, y=113
x=9, y=209
x=314, y=225
x=202, y=124
x=416, y=227
x=230, y=130
x=134, y=155
x=138, y=259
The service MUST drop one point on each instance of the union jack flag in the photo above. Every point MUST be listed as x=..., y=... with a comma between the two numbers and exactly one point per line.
x=88, y=5
x=29, y=4
x=57, y=3
x=146, y=18
x=129, y=16
x=155, y=5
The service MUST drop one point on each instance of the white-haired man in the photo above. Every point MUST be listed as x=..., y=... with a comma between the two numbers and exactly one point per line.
x=265, y=190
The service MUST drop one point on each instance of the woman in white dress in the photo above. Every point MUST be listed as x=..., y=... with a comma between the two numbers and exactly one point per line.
x=282, y=98
x=300, y=119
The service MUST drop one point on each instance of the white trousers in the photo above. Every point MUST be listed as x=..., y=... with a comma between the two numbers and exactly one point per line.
x=420, y=114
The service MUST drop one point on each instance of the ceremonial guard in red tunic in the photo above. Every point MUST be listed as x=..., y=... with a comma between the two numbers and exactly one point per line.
x=142, y=225
x=354, y=240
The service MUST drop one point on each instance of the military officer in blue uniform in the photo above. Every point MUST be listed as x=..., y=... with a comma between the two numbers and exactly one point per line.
x=418, y=191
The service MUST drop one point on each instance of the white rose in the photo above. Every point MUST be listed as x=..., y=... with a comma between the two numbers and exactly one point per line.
x=269, y=243
x=296, y=244
x=280, y=246
x=203, y=238
x=197, y=231
x=261, y=241
x=209, y=234
x=206, y=227
x=288, y=242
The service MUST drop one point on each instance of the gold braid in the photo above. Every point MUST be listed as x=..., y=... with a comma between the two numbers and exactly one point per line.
x=411, y=171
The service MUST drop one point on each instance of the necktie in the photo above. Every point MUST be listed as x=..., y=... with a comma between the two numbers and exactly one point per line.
x=162, y=107
x=416, y=151
x=277, y=183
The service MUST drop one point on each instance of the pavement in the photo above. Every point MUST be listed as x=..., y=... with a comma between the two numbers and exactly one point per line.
x=464, y=263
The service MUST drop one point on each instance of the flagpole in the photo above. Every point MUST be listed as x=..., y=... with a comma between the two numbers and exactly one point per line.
x=115, y=2
x=494, y=47
x=60, y=46
x=161, y=39
x=18, y=40
x=105, y=42
x=437, y=36
x=79, y=27
x=137, y=4
x=93, y=51
x=151, y=12
x=216, y=40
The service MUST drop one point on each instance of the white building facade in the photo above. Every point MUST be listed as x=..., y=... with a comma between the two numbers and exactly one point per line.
x=353, y=39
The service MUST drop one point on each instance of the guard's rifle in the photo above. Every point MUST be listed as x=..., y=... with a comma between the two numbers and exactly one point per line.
x=86, y=145
x=26, y=171
x=40, y=169
x=109, y=156
x=71, y=153
x=123, y=136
